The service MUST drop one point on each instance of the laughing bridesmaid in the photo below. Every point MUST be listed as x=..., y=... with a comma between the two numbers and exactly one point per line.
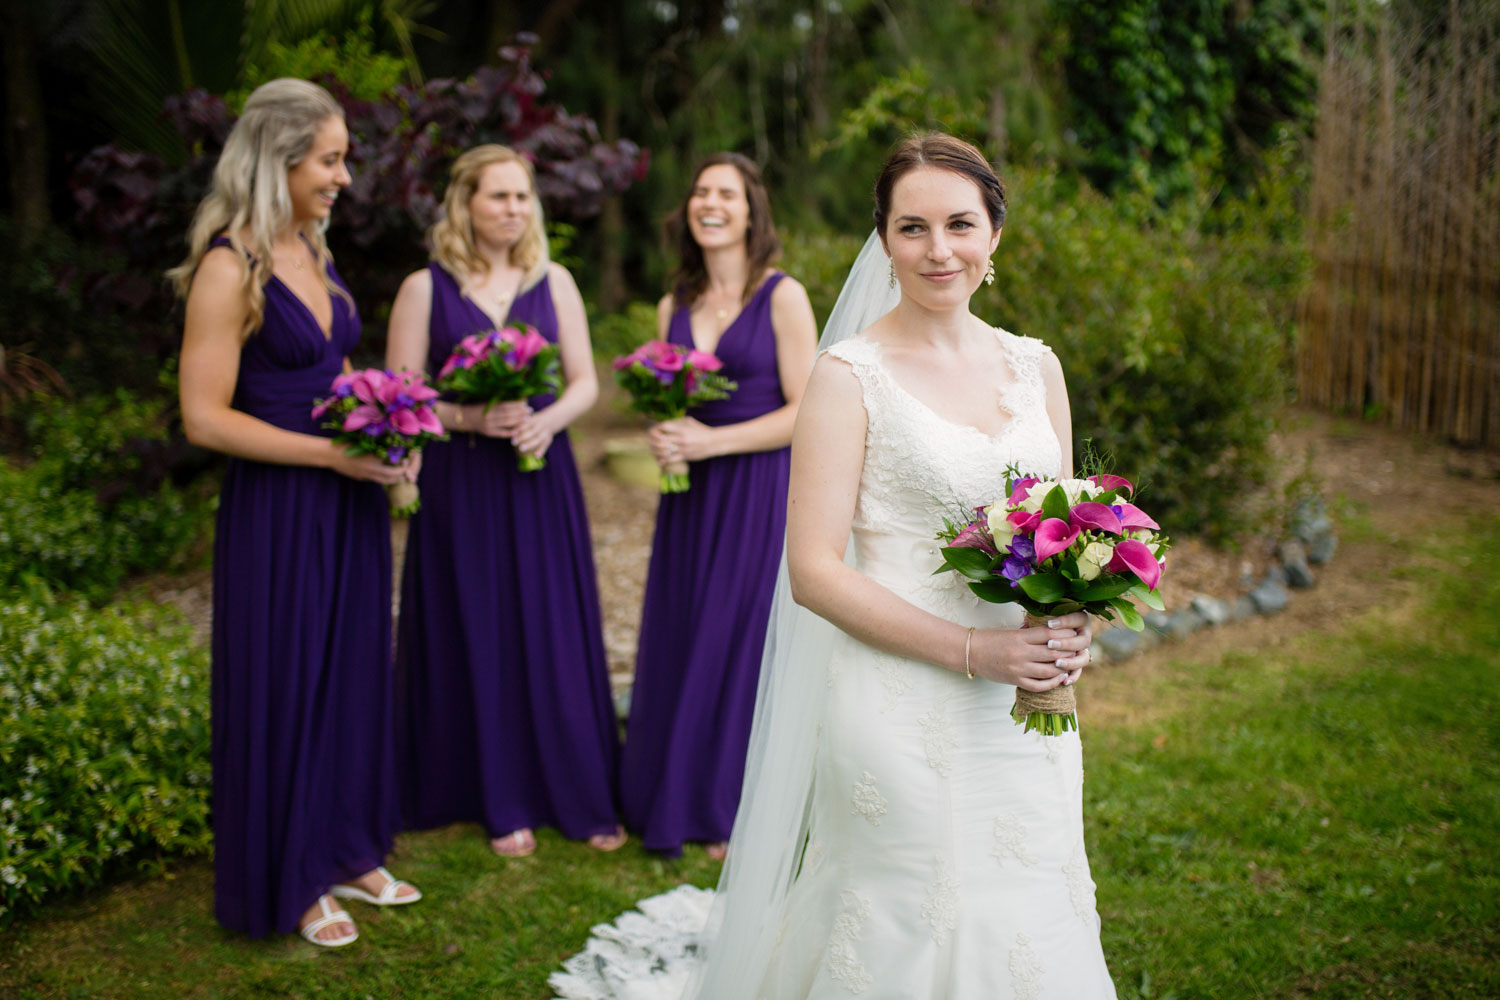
x=303, y=769
x=506, y=718
x=718, y=545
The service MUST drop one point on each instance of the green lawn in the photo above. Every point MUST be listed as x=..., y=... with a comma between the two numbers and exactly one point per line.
x=1316, y=818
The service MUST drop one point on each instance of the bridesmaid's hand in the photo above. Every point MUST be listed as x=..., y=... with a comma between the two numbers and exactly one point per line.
x=684, y=439
x=501, y=420
x=370, y=468
x=1037, y=659
x=533, y=436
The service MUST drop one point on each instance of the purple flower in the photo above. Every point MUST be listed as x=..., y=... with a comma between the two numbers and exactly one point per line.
x=665, y=378
x=395, y=454
x=1022, y=548
x=402, y=402
x=375, y=430
x=1014, y=568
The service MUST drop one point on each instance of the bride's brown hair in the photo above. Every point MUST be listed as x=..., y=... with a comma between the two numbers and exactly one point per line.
x=946, y=152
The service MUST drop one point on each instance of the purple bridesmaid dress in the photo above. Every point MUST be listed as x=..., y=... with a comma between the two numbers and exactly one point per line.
x=708, y=597
x=304, y=791
x=506, y=718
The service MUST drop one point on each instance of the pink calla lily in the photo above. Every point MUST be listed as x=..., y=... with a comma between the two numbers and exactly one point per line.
x=406, y=422
x=1020, y=489
x=1096, y=516
x=365, y=383
x=1108, y=482
x=1024, y=521
x=1134, y=556
x=1132, y=516
x=1053, y=536
x=703, y=361
x=973, y=536
x=669, y=362
x=362, y=416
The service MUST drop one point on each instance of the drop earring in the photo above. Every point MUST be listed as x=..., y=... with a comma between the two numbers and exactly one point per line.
x=893, y=273
x=989, y=274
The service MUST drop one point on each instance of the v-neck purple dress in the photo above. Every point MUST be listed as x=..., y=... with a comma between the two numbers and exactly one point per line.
x=708, y=598
x=304, y=791
x=506, y=718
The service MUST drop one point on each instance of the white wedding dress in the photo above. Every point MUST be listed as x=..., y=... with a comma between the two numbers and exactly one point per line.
x=944, y=849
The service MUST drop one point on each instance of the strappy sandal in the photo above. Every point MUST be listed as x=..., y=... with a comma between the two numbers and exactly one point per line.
x=330, y=916
x=516, y=844
x=606, y=842
x=387, y=895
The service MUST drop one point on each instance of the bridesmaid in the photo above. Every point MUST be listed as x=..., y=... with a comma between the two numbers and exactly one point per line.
x=303, y=770
x=717, y=546
x=506, y=717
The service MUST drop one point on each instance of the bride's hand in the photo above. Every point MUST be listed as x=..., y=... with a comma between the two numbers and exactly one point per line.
x=1037, y=659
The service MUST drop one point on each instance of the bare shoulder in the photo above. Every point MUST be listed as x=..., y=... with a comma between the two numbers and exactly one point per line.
x=417, y=283
x=788, y=290
x=221, y=267
x=560, y=277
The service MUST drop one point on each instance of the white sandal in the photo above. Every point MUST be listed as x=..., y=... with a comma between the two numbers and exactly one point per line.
x=387, y=895
x=330, y=916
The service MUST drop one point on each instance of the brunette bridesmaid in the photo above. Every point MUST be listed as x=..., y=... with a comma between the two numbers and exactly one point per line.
x=303, y=767
x=506, y=718
x=718, y=545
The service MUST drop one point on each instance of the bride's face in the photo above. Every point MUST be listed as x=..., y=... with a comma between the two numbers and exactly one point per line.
x=939, y=237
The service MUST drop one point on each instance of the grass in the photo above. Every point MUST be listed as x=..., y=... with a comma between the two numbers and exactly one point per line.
x=1314, y=818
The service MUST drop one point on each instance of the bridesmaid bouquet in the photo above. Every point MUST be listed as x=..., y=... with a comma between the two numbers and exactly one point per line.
x=1055, y=547
x=385, y=413
x=497, y=366
x=663, y=380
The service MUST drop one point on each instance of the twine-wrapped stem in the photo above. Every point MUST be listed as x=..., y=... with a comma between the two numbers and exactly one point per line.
x=1051, y=712
x=674, y=476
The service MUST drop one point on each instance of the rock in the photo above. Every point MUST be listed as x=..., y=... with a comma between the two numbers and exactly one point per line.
x=1310, y=519
x=1276, y=572
x=1158, y=621
x=1243, y=608
x=1184, y=623
x=1118, y=643
x=1294, y=564
x=1271, y=596
x=1212, y=610
x=1321, y=549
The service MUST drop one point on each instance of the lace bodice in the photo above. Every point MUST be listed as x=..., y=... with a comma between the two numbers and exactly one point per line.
x=918, y=466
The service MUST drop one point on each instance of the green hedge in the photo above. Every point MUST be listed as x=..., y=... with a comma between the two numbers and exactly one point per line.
x=104, y=738
x=55, y=533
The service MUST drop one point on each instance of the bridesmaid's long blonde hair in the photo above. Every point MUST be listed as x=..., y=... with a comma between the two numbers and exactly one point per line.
x=452, y=236
x=249, y=189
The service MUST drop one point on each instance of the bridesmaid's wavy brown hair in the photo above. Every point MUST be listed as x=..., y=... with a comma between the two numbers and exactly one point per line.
x=762, y=245
x=946, y=152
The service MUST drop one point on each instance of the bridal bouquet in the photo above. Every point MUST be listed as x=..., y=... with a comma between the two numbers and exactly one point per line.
x=663, y=381
x=1054, y=547
x=376, y=412
x=511, y=363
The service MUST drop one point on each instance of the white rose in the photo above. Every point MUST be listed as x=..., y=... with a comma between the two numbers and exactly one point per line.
x=1035, y=494
x=1078, y=490
x=1001, y=530
x=1093, y=559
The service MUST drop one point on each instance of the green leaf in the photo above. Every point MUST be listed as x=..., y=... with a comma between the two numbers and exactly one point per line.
x=995, y=590
x=1103, y=590
x=1055, y=504
x=1044, y=588
x=1150, y=598
x=1129, y=616
x=972, y=563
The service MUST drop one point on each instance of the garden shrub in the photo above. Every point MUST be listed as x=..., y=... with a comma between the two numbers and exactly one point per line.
x=91, y=509
x=1174, y=338
x=104, y=739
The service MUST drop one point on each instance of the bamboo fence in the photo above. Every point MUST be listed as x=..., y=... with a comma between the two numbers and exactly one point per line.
x=1400, y=320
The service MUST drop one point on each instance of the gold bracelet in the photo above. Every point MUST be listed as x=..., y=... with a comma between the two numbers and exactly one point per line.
x=968, y=639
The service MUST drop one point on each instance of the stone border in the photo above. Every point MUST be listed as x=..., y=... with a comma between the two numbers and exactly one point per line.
x=1312, y=543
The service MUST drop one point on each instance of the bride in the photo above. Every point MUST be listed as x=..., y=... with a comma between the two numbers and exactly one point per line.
x=899, y=835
